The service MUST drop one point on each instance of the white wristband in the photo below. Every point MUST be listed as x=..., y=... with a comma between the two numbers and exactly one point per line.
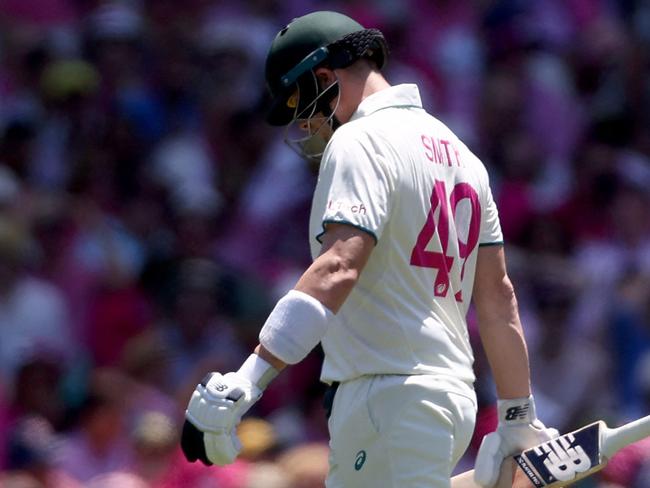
x=517, y=411
x=295, y=326
x=258, y=371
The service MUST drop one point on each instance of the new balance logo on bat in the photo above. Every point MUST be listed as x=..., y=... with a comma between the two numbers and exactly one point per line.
x=562, y=459
x=518, y=412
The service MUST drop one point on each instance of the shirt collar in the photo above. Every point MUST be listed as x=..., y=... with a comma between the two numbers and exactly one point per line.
x=406, y=95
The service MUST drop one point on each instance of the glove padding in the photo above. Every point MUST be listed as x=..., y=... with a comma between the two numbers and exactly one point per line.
x=219, y=449
x=215, y=409
x=519, y=428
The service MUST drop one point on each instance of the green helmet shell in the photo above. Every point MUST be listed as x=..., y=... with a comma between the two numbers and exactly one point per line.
x=297, y=49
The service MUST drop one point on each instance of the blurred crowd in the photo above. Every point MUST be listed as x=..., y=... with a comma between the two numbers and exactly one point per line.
x=149, y=219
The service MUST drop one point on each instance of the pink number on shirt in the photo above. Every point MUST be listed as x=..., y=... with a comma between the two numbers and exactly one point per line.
x=439, y=260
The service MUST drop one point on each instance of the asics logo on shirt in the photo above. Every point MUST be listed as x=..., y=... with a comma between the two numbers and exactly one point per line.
x=360, y=460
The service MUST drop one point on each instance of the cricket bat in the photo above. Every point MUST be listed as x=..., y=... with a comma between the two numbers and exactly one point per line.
x=565, y=459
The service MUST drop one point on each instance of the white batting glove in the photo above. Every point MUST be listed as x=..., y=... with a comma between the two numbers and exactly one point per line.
x=518, y=429
x=215, y=409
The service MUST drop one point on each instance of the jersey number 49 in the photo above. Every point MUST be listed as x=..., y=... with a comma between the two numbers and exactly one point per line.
x=444, y=263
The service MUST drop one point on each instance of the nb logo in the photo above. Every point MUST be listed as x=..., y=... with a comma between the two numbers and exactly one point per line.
x=518, y=412
x=564, y=460
x=220, y=387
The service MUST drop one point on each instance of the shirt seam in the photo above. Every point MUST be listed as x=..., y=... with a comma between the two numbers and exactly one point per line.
x=345, y=222
x=495, y=243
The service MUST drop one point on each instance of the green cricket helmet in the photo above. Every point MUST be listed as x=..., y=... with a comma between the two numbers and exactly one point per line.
x=317, y=39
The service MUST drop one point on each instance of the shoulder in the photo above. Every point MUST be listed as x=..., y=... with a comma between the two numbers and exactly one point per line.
x=352, y=142
x=355, y=132
x=472, y=161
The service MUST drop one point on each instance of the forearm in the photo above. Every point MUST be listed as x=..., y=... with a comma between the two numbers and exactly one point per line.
x=504, y=343
x=265, y=354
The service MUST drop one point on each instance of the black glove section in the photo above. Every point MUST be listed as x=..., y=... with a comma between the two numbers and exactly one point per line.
x=192, y=444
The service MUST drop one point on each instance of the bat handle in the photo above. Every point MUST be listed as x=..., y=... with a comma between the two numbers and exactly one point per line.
x=617, y=438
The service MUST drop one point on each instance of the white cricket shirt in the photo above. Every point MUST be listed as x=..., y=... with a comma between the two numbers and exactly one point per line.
x=402, y=176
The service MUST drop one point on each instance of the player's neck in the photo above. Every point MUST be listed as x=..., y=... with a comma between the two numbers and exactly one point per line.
x=356, y=86
x=375, y=82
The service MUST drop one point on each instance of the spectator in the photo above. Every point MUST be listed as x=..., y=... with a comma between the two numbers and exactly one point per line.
x=146, y=361
x=267, y=475
x=629, y=331
x=117, y=480
x=195, y=333
x=99, y=444
x=32, y=451
x=159, y=463
x=37, y=390
x=33, y=313
x=4, y=421
x=306, y=465
x=155, y=441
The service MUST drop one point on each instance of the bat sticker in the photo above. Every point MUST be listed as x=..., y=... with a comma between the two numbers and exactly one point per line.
x=563, y=458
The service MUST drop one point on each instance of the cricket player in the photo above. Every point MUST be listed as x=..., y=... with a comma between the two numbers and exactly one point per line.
x=404, y=233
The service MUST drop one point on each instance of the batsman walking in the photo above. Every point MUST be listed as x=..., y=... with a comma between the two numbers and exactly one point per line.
x=404, y=233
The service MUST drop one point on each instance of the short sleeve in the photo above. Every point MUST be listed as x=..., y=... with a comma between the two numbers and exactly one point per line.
x=490, y=225
x=354, y=184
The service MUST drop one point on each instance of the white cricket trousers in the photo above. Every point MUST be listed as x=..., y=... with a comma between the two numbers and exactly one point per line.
x=394, y=431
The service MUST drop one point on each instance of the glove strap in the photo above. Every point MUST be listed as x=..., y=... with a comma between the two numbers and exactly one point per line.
x=517, y=411
x=258, y=371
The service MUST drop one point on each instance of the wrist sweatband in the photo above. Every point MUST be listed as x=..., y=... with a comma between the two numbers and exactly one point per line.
x=517, y=411
x=258, y=371
x=294, y=327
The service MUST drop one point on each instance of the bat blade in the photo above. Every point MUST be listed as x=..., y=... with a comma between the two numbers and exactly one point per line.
x=578, y=454
x=565, y=459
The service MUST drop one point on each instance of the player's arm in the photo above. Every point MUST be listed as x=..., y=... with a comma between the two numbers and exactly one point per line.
x=505, y=346
x=294, y=327
x=344, y=253
x=499, y=325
